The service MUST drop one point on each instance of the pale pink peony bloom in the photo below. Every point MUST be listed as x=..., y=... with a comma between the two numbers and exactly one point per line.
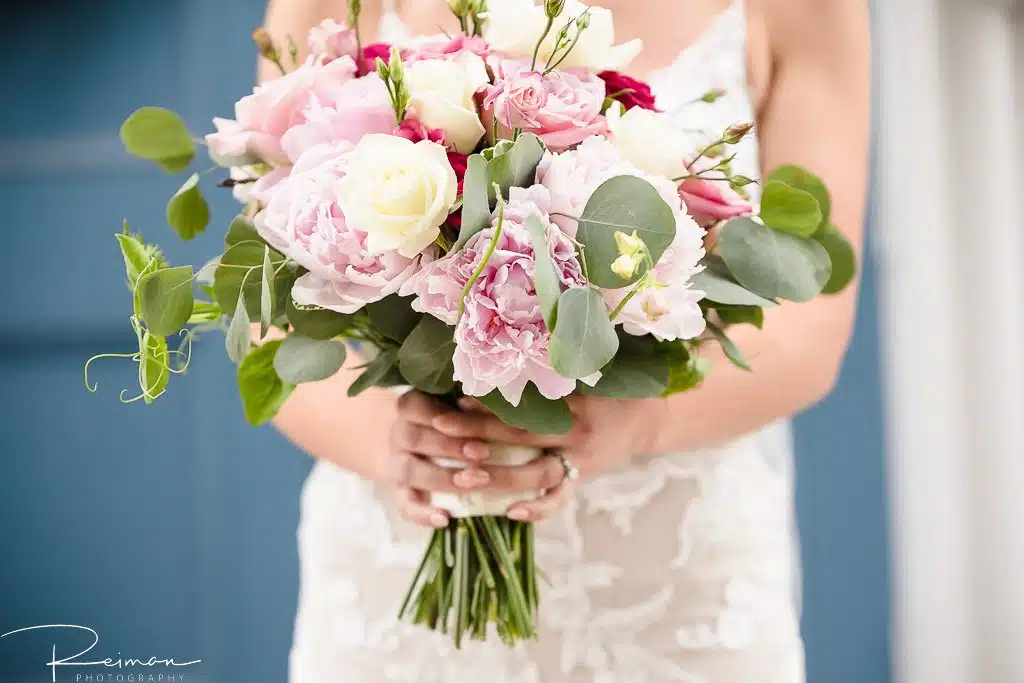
x=444, y=48
x=711, y=201
x=304, y=222
x=563, y=106
x=330, y=40
x=263, y=117
x=501, y=340
x=253, y=187
x=573, y=176
x=351, y=111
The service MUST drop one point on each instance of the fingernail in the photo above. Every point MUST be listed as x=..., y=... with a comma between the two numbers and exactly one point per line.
x=439, y=520
x=471, y=478
x=466, y=403
x=519, y=514
x=446, y=423
x=475, y=450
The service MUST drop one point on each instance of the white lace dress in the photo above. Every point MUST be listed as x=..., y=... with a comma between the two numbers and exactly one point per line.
x=676, y=567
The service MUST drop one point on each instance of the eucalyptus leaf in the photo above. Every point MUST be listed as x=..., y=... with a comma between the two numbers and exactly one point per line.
x=242, y=263
x=719, y=286
x=263, y=392
x=425, y=358
x=741, y=315
x=547, y=283
x=623, y=204
x=686, y=370
x=393, y=316
x=802, y=179
x=159, y=135
x=638, y=370
x=584, y=340
x=301, y=359
x=515, y=166
x=729, y=348
x=187, y=211
x=266, y=293
x=239, y=337
x=786, y=208
x=377, y=371
x=318, y=323
x=842, y=256
x=154, y=369
x=771, y=263
x=534, y=413
x=166, y=299
x=241, y=229
x=476, y=206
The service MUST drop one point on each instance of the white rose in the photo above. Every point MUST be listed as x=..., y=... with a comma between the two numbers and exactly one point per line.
x=514, y=26
x=397, y=192
x=441, y=96
x=649, y=140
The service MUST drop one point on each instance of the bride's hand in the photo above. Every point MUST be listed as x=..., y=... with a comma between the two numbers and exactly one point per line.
x=605, y=432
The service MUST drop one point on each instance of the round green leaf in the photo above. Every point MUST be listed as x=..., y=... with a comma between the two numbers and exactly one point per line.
x=622, y=204
x=843, y=257
x=159, y=135
x=731, y=351
x=165, y=299
x=187, y=211
x=802, y=179
x=786, y=208
x=476, y=208
x=377, y=372
x=773, y=264
x=317, y=323
x=242, y=262
x=301, y=359
x=638, y=370
x=263, y=392
x=584, y=340
x=425, y=358
x=720, y=287
x=547, y=283
x=393, y=317
x=534, y=413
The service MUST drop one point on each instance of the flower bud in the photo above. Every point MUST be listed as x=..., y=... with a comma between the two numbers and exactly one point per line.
x=382, y=69
x=625, y=266
x=459, y=8
x=395, y=67
x=265, y=45
x=736, y=133
x=354, y=9
x=583, y=20
x=713, y=95
x=552, y=8
x=741, y=181
x=716, y=152
x=629, y=245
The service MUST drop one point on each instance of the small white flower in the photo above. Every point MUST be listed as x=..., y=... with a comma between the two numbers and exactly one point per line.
x=441, y=96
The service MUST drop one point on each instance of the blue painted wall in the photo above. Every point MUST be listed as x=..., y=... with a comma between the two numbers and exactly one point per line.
x=170, y=529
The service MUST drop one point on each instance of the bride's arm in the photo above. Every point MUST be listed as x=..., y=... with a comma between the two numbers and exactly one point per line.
x=817, y=115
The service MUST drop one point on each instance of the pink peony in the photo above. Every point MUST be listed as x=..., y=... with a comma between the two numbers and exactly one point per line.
x=303, y=221
x=573, y=176
x=262, y=118
x=711, y=201
x=563, y=106
x=443, y=48
x=354, y=109
x=252, y=187
x=501, y=340
x=628, y=90
x=330, y=40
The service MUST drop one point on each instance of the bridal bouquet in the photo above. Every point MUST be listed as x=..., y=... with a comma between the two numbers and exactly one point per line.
x=500, y=214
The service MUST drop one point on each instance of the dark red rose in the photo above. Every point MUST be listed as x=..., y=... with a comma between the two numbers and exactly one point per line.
x=627, y=90
x=370, y=54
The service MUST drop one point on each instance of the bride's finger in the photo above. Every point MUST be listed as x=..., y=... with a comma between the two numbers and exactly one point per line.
x=417, y=472
x=545, y=506
x=415, y=438
x=412, y=506
x=415, y=406
x=543, y=473
x=475, y=425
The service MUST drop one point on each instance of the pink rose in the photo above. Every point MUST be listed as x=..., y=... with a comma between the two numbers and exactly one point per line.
x=572, y=177
x=354, y=109
x=628, y=90
x=572, y=101
x=711, y=201
x=501, y=340
x=263, y=117
x=445, y=47
x=330, y=40
x=304, y=222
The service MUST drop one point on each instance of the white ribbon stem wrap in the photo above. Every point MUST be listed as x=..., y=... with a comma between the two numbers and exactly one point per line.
x=482, y=503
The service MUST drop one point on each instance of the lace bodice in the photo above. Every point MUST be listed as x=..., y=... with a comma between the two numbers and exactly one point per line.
x=674, y=567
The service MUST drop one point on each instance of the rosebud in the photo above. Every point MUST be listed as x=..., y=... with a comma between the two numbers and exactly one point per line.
x=713, y=95
x=354, y=9
x=395, y=67
x=553, y=8
x=629, y=245
x=741, y=181
x=736, y=133
x=583, y=20
x=382, y=69
x=625, y=266
x=716, y=152
x=265, y=45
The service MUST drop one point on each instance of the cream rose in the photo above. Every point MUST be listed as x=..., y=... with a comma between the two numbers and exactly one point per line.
x=441, y=96
x=514, y=26
x=649, y=140
x=398, y=192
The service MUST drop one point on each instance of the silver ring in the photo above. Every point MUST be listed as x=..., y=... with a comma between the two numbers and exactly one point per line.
x=571, y=473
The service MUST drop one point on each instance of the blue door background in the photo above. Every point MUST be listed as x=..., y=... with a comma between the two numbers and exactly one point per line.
x=169, y=529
